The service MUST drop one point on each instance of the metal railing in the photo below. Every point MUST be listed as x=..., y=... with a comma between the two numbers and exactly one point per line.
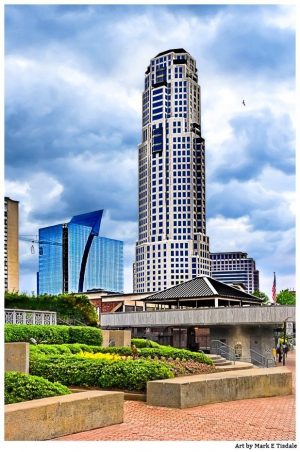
x=69, y=321
x=30, y=317
x=260, y=360
x=220, y=348
x=224, y=350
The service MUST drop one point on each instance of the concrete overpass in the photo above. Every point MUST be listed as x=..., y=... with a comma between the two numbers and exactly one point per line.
x=247, y=331
x=253, y=315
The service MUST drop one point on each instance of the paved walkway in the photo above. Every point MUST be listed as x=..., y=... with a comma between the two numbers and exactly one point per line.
x=266, y=419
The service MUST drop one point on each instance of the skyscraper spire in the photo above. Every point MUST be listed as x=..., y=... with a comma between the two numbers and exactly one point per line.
x=172, y=245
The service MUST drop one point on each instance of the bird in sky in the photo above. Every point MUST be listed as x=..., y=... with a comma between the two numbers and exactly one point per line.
x=244, y=103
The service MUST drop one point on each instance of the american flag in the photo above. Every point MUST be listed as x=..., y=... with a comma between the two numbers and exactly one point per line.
x=274, y=289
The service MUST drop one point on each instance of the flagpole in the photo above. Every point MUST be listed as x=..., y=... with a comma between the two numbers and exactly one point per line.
x=274, y=289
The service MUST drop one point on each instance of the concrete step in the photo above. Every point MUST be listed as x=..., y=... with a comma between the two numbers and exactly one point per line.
x=219, y=360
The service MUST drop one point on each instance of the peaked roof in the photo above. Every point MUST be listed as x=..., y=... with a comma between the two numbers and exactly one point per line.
x=201, y=287
x=91, y=219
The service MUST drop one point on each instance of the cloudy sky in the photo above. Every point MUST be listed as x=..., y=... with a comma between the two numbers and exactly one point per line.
x=73, y=83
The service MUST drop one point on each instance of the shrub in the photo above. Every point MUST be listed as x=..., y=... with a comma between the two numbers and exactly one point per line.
x=85, y=335
x=107, y=356
x=159, y=352
x=170, y=352
x=20, y=387
x=53, y=334
x=133, y=374
x=79, y=371
x=65, y=349
x=68, y=306
x=189, y=367
x=68, y=370
x=140, y=343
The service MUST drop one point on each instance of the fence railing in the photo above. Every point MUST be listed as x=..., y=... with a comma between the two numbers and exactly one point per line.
x=69, y=321
x=29, y=317
x=260, y=360
x=224, y=350
x=220, y=348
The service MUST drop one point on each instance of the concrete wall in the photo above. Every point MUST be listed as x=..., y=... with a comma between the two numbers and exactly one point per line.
x=105, y=334
x=120, y=338
x=196, y=390
x=257, y=315
x=257, y=338
x=17, y=357
x=116, y=338
x=48, y=418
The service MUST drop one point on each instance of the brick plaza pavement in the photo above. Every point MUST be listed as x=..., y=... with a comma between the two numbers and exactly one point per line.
x=265, y=419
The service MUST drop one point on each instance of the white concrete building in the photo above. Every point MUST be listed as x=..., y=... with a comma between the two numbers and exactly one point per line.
x=172, y=246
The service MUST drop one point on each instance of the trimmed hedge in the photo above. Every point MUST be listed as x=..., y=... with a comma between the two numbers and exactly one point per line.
x=159, y=352
x=141, y=343
x=79, y=371
x=72, y=349
x=19, y=387
x=53, y=334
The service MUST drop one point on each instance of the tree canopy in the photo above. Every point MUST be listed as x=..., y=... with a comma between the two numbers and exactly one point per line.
x=263, y=296
x=69, y=307
x=286, y=296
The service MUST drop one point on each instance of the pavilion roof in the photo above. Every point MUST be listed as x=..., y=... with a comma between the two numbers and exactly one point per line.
x=201, y=287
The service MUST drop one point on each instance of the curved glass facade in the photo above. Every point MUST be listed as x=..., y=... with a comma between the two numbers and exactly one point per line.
x=61, y=254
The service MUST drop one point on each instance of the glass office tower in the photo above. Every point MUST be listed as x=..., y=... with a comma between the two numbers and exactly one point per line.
x=235, y=267
x=73, y=258
x=172, y=246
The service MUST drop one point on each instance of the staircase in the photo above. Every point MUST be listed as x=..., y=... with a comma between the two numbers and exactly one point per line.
x=219, y=361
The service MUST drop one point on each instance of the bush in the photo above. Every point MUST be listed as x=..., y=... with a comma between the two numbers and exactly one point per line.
x=68, y=306
x=66, y=349
x=79, y=371
x=133, y=374
x=159, y=352
x=85, y=335
x=170, y=352
x=53, y=334
x=141, y=343
x=20, y=387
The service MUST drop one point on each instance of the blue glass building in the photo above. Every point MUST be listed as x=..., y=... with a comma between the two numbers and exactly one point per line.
x=74, y=258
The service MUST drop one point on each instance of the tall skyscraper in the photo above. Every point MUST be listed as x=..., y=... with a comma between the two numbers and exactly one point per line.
x=172, y=246
x=11, y=245
x=235, y=267
x=73, y=258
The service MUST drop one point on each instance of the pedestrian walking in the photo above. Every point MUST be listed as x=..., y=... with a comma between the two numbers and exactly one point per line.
x=285, y=349
x=274, y=353
x=279, y=352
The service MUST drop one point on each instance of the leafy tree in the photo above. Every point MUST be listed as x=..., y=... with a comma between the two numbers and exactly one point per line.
x=69, y=307
x=286, y=297
x=264, y=297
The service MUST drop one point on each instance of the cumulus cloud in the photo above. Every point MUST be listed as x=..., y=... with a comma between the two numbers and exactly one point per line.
x=74, y=79
x=273, y=251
